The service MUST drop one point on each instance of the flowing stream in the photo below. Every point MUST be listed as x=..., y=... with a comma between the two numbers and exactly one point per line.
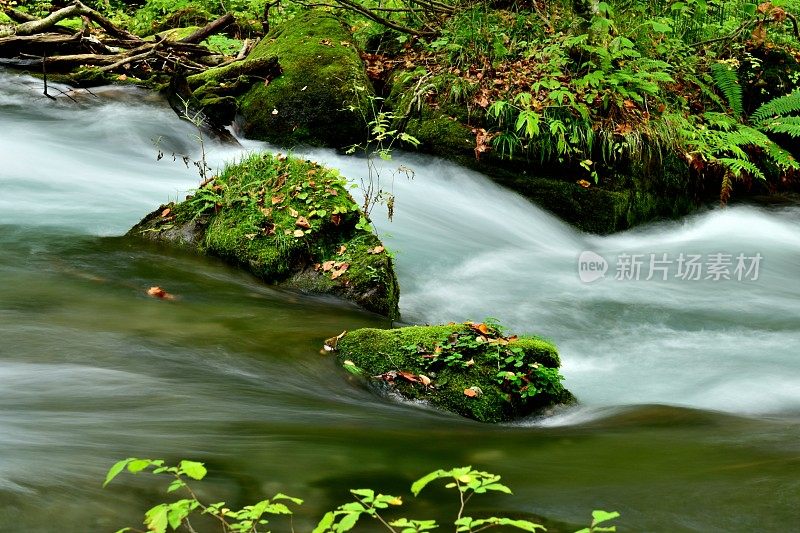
x=690, y=389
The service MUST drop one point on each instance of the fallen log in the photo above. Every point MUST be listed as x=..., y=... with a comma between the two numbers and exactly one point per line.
x=209, y=29
x=76, y=9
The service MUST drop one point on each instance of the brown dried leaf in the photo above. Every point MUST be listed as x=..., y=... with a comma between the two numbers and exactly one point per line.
x=158, y=292
x=302, y=222
x=327, y=266
x=277, y=199
x=342, y=249
x=341, y=269
x=298, y=233
x=293, y=212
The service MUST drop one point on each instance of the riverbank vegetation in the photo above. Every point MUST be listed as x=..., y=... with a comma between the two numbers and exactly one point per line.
x=366, y=505
x=687, y=100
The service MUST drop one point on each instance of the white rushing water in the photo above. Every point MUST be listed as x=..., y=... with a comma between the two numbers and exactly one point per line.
x=468, y=249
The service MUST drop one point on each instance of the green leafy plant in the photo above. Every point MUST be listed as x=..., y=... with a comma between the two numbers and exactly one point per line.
x=383, y=135
x=367, y=503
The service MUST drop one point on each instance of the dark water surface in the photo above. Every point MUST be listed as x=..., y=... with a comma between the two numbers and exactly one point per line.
x=690, y=415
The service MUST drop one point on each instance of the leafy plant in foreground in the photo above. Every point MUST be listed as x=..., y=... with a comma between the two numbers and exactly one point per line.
x=367, y=504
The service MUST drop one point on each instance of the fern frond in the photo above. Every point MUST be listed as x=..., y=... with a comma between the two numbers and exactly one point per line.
x=780, y=107
x=781, y=157
x=738, y=166
x=788, y=125
x=727, y=81
x=705, y=90
x=726, y=189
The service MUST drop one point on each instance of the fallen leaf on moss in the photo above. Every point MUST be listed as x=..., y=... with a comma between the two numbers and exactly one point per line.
x=299, y=233
x=342, y=249
x=158, y=292
x=424, y=379
x=266, y=211
x=585, y=184
x=336, y=219
x=293, y=212
x=327, y=265
x=480, y=328
x=341, y=269
x=473, y=392
x=165, y=213
x=408, y=376
x=277, y=199
x=302, y=222
x=376, y=250
x=332, y=343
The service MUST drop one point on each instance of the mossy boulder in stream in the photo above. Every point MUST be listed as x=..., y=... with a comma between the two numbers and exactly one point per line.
x=317, y=97
x=470, y=369
x=287, y=221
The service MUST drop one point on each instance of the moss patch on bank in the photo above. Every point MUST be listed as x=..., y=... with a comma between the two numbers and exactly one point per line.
x=287, y=221
x=316, y=99
x=470, y=369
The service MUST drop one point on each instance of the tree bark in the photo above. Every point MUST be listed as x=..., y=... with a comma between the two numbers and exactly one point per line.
x=209, y=29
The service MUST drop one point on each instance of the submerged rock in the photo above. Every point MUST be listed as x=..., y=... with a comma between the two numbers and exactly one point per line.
x=320, y=94
x=469, y=369
x=289, y=222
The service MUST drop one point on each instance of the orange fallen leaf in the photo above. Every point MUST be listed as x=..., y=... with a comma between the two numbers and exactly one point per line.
x=583, y=183
x=376, y=250
x=471, y=392
x=166, y=212
x=158, y=292
x=327, y=265
x=341, y=269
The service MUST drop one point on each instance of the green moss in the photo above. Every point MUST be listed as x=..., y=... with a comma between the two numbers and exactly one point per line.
x=442, y=135
x=287, y=221
x=317, y=97
x=458, y=358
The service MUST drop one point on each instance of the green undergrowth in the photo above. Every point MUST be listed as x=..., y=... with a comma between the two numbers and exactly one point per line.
x=470, y=369
x=367, y=509
x=288, y=221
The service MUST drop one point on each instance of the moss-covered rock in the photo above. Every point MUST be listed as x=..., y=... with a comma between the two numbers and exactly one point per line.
x=287, y=221
x=469, y=369
x=323, y=86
